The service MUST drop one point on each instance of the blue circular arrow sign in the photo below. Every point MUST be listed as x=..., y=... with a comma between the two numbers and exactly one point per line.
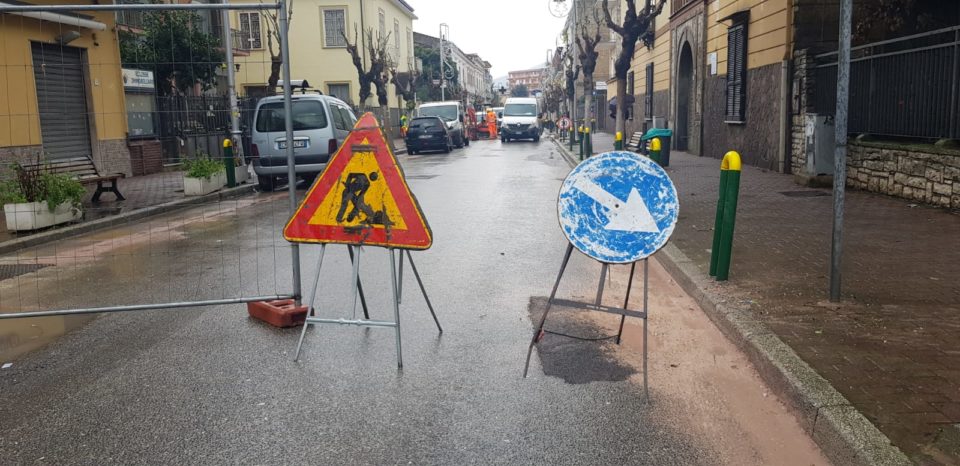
x=618, y=207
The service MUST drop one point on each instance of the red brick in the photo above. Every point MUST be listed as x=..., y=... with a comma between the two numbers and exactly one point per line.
x=280, y=313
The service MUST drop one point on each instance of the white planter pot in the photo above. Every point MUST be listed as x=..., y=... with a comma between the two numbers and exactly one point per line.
x=201, y=186
x=35, y=215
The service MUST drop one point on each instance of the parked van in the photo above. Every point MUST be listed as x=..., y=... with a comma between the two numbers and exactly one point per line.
x=521, y=119
x=320, y=124
x=450, y=112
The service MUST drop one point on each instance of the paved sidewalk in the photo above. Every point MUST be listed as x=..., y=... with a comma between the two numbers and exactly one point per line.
x=891, y=347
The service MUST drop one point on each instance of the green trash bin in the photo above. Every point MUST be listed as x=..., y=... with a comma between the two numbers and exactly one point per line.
x=664, y=134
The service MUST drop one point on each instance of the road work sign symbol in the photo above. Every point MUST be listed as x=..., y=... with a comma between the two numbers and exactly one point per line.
x=361, y=197
x=618, y=207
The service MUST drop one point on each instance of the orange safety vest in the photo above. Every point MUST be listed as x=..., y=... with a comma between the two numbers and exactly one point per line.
x=491, y=118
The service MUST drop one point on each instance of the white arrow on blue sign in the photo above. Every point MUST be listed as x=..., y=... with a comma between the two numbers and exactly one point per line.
x=618, y=207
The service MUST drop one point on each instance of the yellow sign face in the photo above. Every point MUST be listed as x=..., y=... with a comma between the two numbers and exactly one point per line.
x=360, y=197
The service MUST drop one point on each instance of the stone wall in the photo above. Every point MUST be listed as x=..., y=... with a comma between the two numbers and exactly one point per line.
x=931, y=177
x=758, y=138
x=802, y=93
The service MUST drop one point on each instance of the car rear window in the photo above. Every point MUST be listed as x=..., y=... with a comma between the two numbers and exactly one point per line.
x=307, y=114
x=425, y=123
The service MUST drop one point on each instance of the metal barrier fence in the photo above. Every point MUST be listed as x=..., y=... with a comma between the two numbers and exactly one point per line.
x=906, y=87
x=70, y=104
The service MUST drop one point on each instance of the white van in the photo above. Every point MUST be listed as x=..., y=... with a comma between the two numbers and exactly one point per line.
x=521, y=119
x=450, y=112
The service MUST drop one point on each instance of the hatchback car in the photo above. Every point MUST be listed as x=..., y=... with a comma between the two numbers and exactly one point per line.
x=428, y=133
x=320, y=124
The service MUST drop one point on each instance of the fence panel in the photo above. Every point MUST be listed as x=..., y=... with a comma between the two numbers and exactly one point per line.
x=905, y=87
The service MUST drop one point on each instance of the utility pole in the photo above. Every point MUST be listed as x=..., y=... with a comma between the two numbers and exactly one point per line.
x=840, y=153
x=444, y=30
x=235, y=133
x=571, y=46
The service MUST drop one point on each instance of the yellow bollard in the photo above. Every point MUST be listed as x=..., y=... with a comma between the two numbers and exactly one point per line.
x=618, y=141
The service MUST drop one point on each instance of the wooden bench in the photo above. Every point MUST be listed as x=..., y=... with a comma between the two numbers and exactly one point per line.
x=635, y=144
x=83, y=170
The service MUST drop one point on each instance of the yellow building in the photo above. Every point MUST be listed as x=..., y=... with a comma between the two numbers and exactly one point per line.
x=61, y=90
x=317, y=48
x=719, y=74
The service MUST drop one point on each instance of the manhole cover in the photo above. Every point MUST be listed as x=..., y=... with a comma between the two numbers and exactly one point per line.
x=8, y=271
x=804, y=193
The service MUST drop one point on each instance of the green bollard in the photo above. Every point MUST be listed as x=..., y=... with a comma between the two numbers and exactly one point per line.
x=580, y=140
x=618, y=141
x=655, y=148
x=588, y=142
x=229, y=163
x=573, y=137
x=726, y=216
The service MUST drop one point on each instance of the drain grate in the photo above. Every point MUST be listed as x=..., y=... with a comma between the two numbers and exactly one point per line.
x=805, y=193
x=8, y=271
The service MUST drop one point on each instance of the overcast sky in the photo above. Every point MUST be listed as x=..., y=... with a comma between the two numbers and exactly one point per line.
x=510, y=34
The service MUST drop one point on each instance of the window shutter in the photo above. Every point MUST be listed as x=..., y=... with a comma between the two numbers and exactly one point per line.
x=648, y=97
x=736, y=72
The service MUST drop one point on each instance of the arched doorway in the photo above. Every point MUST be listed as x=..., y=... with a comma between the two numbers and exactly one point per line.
x=684, y=96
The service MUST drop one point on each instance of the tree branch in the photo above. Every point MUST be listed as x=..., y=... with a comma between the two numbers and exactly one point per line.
x=610, y=23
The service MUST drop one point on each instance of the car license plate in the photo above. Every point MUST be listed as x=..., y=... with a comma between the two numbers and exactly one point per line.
x=297, y=144
x=425, y=136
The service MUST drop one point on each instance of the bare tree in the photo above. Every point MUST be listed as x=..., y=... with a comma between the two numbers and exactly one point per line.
x=635, y=27
x=276, y=58
x=376, y=74
x=587, y=39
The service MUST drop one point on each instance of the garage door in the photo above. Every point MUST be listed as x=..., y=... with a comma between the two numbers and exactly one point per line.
x=62, y=100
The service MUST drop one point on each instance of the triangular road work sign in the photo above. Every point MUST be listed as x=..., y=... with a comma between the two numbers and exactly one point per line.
x=361, y=198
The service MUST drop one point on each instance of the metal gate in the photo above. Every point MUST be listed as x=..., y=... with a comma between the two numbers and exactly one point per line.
x=210, y=249
x=61, y=100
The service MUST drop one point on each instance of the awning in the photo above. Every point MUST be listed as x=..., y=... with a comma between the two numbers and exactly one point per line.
x=69, y=20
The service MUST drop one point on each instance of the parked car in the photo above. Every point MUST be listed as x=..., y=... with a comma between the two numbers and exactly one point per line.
x=521, y=119
x=428, y=133
x=320, y=124
x=452, y=114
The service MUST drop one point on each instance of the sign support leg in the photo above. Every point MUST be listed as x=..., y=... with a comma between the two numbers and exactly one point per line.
x=356, y=278
x=400, y=281
x=422, y=288
x=626, y=301
x=646, y=317
x=538, y=333
x=363, y=299
x=313, y=297
x=396, y=306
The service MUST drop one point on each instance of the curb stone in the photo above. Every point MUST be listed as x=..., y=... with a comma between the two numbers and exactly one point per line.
x=112, y=221
x=844, y=434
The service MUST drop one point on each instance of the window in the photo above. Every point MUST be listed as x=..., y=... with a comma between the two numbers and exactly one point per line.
x=736, y=72
x=340, y=91
x=347, y=115
x=396, y=40
x=383, y=23
x=337, y=117
x=409, y=43
x=250, y=37
x=307, y=114
x=630, y=82
x=648, y=96
x=334, y=27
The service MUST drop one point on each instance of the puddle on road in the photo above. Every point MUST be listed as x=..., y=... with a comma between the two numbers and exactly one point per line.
x=576, y=361
x=21, y=336
x=100, y=268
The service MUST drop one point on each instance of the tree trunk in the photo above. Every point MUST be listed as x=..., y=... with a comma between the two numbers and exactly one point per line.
x=588, y=102
x=621, y=108
x=275, y=63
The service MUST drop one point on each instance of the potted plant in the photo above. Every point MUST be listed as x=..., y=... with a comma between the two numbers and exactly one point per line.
x=203, y=175
x=37, y=199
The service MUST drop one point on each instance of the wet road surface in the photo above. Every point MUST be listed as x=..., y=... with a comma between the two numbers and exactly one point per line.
x=211, y=385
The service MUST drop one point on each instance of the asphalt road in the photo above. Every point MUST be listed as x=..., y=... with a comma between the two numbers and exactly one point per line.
x=211, y=386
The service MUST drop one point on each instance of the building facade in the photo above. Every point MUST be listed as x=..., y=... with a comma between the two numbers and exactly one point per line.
x=318, y=48
x=61, y=90
x=473, y=72
x=531, y=78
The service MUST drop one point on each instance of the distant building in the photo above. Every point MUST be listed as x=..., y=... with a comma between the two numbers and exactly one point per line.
x=473, y=71
x=530, y=78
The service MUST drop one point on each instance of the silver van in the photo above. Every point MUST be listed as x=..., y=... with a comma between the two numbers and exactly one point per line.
x=320, y=124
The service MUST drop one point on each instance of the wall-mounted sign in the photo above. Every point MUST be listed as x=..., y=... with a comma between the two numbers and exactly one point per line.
x=601, y=85
x=712, y=63
x=138, y=79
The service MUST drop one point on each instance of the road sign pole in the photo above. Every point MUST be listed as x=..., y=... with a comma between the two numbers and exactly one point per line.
x=840, y=153
x=288, y=131
x=626, y=300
